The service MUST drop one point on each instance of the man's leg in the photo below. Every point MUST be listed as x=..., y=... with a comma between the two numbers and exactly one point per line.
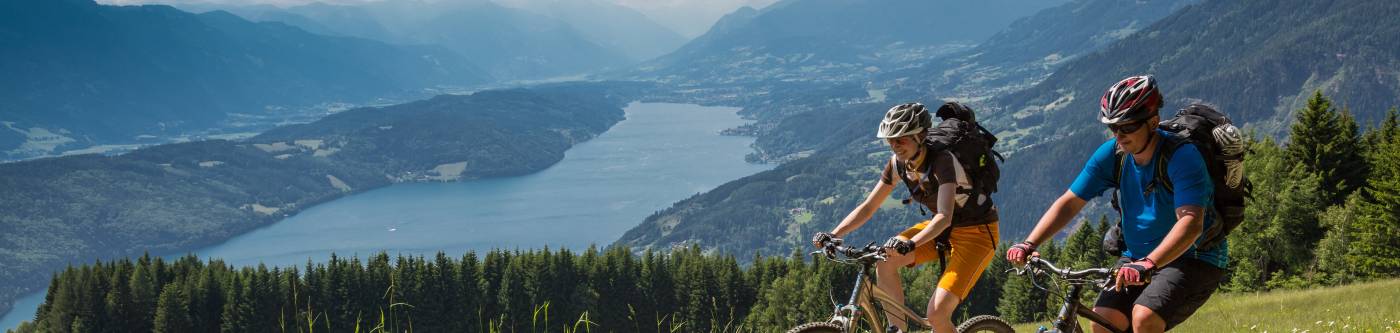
x=1175, y=293
x=1115, y=317
x=887, y=278
x=940, y=310
x=1115, y=306
x=1147, y=321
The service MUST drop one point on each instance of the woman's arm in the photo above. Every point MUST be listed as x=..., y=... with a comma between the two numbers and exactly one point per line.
x=943, y=217
x=862, y=213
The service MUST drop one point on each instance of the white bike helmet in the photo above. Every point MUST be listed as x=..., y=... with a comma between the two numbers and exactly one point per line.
x=904, y=119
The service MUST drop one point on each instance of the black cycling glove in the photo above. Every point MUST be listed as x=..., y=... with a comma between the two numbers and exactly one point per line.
x=821, y=238
x=903, y=246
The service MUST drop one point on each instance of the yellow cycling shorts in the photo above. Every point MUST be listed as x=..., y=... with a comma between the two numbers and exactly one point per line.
x=973, y=248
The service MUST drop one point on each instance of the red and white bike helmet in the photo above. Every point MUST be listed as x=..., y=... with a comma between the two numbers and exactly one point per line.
x=1134, y=99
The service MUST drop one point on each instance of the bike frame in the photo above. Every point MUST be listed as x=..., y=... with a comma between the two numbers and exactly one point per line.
x=866, y=296
x=1066, y=320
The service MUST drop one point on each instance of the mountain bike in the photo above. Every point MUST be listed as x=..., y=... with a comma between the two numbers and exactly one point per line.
x=865, y=310
x=1066, y=321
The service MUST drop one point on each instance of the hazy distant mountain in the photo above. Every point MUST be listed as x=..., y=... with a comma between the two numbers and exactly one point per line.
x=510, y=43
x=616, y=27
x=318, y=18
x=1029, y=50
x=833, y=40
x=77, y=72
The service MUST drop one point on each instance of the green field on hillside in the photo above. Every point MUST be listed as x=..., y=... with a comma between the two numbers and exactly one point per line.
x=1367, y=307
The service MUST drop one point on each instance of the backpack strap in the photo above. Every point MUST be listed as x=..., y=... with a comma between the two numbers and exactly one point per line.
x=943, y=245
x=914, y=184
x=1164, y=156
x=992, y=140
x=1118, y=180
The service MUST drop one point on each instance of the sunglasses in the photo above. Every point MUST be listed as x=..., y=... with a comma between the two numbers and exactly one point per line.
x=1126, y=128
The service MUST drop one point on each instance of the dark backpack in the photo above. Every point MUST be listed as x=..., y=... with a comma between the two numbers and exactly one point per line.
x=1222, y=148
x=971, y=144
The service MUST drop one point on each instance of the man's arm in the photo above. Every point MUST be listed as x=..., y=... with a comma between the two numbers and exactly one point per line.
x=1094, y=178
x=1193, y=191
x=1189, y=223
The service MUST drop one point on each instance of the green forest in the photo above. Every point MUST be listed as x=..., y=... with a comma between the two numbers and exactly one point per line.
x=1326, y=211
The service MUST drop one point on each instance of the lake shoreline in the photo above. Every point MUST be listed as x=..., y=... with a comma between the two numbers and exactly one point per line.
x=442, y=186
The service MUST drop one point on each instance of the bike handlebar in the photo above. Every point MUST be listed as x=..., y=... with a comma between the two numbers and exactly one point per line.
x=869, y=252
x=1066, y=273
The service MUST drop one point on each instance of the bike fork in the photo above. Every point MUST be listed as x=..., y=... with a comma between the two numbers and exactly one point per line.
x=847, y=314
x=1065, y=321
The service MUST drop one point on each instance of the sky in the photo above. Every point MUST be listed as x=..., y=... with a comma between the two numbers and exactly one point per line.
x=690, y=18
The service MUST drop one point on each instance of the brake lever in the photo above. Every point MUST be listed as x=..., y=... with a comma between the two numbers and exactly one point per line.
x=1110, y=284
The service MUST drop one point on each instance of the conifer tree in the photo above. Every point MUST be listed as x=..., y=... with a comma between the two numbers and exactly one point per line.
x=1388, y=128
x=1375, y=249
x=173, y=310
x=234, y=315
x=1326, y=143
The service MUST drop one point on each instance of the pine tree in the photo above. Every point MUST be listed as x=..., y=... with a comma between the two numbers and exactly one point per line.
x=1388, y=128
x=1104, y=258
x=469, y=293
x=173, y=310
x=1375, y=251
x=144, y=294
x=1351, y=168
x=1327, y=143
x=1082, y=246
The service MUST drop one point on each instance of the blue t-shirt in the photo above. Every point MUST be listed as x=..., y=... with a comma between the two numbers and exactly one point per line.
x=1147, y=218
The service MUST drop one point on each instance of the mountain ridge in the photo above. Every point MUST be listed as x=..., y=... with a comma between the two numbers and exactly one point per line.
x=99, y=74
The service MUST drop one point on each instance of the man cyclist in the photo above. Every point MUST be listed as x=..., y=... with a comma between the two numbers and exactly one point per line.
x=939, y=178
x=1164, y=277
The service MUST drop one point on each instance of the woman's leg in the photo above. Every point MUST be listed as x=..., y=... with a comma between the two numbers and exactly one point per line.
x=940, y=310
x=973, y=248
x=887, y=279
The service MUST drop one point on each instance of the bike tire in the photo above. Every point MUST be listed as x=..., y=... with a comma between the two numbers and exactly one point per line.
x=985, y=323
x=817, y=327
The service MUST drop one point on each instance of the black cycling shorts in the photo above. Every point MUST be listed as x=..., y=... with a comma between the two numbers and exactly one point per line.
x=1176, y=291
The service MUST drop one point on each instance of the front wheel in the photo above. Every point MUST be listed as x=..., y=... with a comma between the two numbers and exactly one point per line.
x=985, y=323
x=817, y=327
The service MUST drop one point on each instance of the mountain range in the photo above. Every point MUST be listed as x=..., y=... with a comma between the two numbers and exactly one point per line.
x=530, y=39
x=80, y=73
x=832, y=40
x=1253, y=59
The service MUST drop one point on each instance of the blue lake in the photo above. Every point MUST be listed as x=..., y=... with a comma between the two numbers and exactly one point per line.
x=660, y=154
